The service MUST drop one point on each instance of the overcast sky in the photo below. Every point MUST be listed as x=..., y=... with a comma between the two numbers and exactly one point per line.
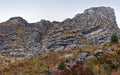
x=35, y=10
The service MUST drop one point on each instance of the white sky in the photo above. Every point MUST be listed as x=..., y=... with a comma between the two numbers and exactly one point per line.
x=58, y=10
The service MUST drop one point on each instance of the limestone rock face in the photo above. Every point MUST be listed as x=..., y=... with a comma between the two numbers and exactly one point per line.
x=92, y=27
x=20, y=38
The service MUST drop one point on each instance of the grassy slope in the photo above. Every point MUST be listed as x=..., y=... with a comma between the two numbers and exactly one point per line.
x=49, y=60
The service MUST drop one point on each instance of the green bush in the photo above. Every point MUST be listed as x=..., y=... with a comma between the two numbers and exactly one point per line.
x=61, y=66
x=114, y=38
x=94, y=61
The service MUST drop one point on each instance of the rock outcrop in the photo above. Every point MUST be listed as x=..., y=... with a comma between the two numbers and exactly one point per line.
x=92, y=27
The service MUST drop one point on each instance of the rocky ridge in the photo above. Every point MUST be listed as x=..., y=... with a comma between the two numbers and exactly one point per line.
x=92, y=27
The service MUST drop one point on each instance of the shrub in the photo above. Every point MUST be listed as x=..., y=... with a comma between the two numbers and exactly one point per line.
x=114, y=38
x=94, y=61
x=61, y=66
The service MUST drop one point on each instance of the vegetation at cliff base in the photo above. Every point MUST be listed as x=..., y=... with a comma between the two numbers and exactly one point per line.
x=114, y=38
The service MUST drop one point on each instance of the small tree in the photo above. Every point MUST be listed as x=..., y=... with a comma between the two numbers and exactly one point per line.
x=114, y=38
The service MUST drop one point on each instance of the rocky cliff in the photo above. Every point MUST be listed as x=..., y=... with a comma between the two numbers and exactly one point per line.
x=92, y=27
